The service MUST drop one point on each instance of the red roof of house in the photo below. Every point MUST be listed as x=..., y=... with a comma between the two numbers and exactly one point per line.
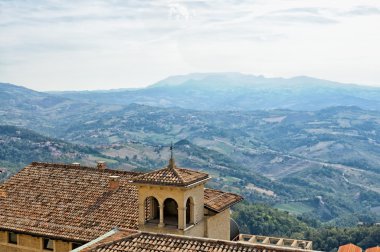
x=349, y=248
x=373, y=249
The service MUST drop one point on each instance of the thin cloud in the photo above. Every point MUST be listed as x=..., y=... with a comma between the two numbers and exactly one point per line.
x=362, y=11
x=314, y=11
x=310, y=19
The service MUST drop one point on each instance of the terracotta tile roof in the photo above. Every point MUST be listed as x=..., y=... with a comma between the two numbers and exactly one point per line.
x=218, y=201
x=152, y=242
x=76, y=203
x=107, y=238
x=349, y=248
x=172, y=176
x=373, y=249
x=67, y=201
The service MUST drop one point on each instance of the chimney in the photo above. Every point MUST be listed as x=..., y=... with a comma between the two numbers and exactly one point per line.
x=114, y=182
x=101, y=165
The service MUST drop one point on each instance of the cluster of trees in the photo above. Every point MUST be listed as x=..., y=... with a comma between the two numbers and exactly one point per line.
x=330, y=238
x=261, y=219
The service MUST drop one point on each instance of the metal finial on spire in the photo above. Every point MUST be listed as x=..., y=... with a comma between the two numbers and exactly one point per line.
x=171, y=161
x=171, y=150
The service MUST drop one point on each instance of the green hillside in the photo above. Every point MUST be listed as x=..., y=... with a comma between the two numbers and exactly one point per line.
x=264, y=220
x=19, y=147
x=322, y=164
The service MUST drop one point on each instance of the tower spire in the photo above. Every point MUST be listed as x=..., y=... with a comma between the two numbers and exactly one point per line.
x=171, y=161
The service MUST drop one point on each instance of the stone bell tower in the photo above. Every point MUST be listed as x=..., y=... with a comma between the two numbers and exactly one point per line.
x=171, y=200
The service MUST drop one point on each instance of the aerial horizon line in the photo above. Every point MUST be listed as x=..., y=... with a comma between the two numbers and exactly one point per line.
x=140, y=87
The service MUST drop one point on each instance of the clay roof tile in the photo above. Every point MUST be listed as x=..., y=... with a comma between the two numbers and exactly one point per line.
x=75, y=203
x=349, y=248
x=172, y=177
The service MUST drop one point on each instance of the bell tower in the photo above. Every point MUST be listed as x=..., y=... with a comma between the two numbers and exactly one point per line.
x=171, y=200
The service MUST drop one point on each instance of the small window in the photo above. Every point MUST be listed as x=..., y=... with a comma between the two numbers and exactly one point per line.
x=12, y=238
x=75, y=245
x=48, y=244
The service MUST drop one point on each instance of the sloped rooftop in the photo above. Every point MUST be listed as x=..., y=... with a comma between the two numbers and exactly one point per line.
x=349, y=248
x=218, y=201
x=75, y=202
x=67, y=201
x=172, y=176
x=373, y=249
x=129, y=241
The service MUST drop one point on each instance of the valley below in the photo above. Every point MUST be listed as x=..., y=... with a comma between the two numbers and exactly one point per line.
x=322, y=163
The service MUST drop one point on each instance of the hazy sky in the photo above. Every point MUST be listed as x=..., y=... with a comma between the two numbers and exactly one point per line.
x=103, y=44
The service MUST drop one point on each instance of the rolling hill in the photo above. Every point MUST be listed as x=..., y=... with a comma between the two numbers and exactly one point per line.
x=322, y=163
x=19, y=147
x=27, y=108
x=235, y=91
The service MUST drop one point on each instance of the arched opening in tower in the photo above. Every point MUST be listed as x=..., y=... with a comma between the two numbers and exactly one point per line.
x=152, y=210
x=189, y=211
x=170, y=212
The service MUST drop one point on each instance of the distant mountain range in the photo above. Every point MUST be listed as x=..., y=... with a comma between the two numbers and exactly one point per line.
x=235, y=91
x=321, y=162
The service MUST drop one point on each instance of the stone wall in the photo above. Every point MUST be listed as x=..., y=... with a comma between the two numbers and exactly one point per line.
x=218, y=225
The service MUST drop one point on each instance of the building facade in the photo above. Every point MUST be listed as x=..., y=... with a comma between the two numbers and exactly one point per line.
x=18, y=242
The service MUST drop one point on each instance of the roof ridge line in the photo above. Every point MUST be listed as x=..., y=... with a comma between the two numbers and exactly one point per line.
x=176, y=173
x=147, y=173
